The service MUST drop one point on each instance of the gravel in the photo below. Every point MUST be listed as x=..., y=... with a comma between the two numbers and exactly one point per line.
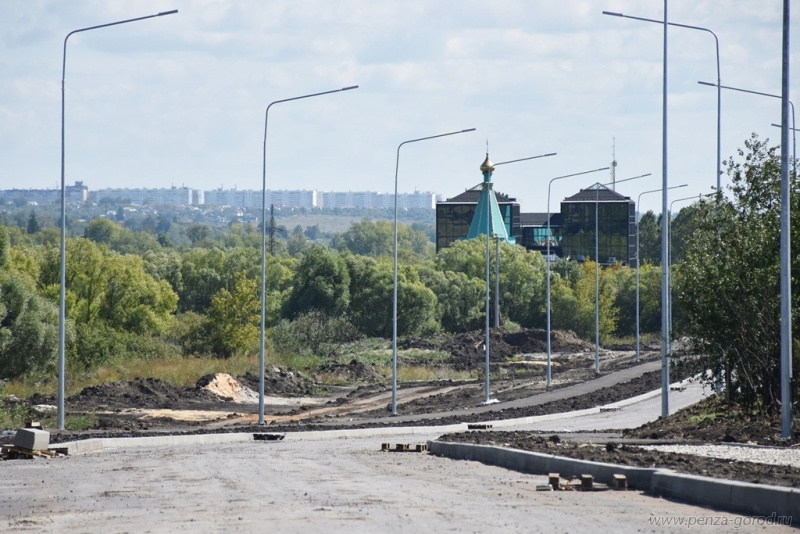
x=738, y=452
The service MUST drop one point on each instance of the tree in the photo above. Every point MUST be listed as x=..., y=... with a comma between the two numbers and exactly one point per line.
x=585, y=294
x=650, y=238
x=522, y=286
x=321, y=282
x=729, y=284
x=371, y=295
x=235, y=317
x=33, y=223
x=460, y=299
x=101, y=230
x=368, y=238
x=28, y=329
x=197, y=233
x=5, y=247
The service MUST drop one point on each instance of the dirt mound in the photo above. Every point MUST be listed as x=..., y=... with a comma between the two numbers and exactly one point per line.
x=634, y=456
x=228, y=388
x=713, y=420
x=139, y=393
x=467, y=350
x=281, y=382
x=354, y=371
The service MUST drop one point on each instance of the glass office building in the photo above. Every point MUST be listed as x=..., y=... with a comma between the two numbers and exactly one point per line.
x=454, y=216
x=572, y=232
x=613, y=215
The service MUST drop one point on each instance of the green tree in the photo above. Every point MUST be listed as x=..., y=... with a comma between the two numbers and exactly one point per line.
x=5, y=247
x=28, y=329
x=197, y=233
x=101, y=231
x=33, y=223
x=650, y=238
x=460, y=299
x=235, y=317
x=729, y=282
x=321, y=282
x=585, y=294
x=371, y=296
x=522, y=286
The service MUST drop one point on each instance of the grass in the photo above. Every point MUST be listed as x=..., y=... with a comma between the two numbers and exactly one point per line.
x=179, y=372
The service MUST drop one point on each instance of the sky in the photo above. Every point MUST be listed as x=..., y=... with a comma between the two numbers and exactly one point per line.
x=180, y=100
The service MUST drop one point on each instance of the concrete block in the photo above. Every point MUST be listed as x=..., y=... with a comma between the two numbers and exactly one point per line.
x=32, y=439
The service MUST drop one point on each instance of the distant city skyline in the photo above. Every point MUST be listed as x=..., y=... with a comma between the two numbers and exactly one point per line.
x=181, y=99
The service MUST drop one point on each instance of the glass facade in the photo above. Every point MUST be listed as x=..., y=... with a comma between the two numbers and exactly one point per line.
x=615, y=228
x=454, y=219
x=536, y=237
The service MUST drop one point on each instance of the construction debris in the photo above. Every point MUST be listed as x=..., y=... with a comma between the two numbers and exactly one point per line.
x=404, y=447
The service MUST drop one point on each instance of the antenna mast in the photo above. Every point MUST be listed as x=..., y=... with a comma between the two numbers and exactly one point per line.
x=614, y=163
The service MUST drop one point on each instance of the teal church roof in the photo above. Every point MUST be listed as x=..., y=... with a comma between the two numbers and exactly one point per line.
x=488, y=203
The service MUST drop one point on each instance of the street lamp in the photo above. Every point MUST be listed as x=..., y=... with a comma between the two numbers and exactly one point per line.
x=597, y=271
x=264, y=242
x=669, y=256
x=793, y=128
x=638, y=201
x=497, y=251
x=63, y=267
x=719, y=92
x=547, y=259
x=486, y=399
x=394, y=282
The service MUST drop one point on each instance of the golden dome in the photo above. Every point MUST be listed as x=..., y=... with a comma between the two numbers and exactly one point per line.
x=487, y=166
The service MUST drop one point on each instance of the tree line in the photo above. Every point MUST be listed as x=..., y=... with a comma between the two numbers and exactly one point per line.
x=130, y=294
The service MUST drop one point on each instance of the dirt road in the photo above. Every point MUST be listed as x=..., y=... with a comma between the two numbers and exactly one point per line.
x=342, y=485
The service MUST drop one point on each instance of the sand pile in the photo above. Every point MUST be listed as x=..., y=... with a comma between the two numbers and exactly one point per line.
x=225, y=386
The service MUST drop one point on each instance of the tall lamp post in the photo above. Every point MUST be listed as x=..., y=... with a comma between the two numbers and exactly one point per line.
x=264, y=242
x=394, y=279
x=669, y=256
x=785, y=225
x=547, y=259
x=497, y=251
x=719, y=92
x=791, y=104
x=486, y=399
x=638, y=201
x=63, y=267
x=597, y=271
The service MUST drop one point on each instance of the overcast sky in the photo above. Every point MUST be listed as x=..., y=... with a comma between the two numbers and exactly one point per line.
x=180, y=100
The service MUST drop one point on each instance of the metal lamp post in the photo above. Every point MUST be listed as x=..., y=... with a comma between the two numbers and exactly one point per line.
x=791, y=104
x=394, y=279
x=63, y=267
x=547, y=259
x=719, y=92
x=669, y=257
x=597, y=271
x=785, y=225
x=638, y=201
x=264, y=242
x=486, y=399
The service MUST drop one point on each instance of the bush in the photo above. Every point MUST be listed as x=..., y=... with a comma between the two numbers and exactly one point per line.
x=314, y=333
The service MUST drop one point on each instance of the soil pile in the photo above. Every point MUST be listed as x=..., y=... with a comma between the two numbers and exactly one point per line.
x=353, y=372
x=634, y=456
x=281, y=382
x=139, y=393
x=467, y=350
x=712, y=420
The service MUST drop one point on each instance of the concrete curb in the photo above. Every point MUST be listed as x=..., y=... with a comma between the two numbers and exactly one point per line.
x=728, y=495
